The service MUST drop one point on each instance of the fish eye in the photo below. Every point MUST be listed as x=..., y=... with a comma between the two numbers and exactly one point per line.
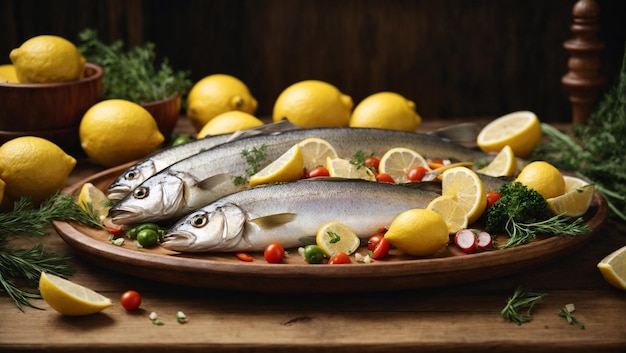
x=199, y=221
x=140, y=193
x=131, y=175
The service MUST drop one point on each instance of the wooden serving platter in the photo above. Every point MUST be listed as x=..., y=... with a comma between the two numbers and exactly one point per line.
x=397, y=271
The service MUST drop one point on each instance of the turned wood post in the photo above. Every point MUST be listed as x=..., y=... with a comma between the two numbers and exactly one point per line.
x=583, y=80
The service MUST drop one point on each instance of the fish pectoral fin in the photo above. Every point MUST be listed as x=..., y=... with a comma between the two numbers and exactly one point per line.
x=273, y=221
x=214, y=181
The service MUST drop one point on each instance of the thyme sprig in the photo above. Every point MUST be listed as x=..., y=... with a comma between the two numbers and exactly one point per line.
x=519, y=306
x=254, y=157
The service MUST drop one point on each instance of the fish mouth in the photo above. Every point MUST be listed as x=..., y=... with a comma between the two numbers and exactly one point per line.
x=178, y=241
x=118, y=192
x=126, y=215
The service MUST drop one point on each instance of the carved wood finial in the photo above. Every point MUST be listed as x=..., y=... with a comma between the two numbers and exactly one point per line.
x=583, y=80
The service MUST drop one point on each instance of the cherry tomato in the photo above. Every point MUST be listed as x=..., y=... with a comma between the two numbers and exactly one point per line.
x=372, y=162
x=381, y=250
x=373, y=241
x=244, y=256
x=274, y=253
x=130, y=300
x=340, y=258
x=416, y=173
x=492, y=197
x=318, y=172
x=384, y=178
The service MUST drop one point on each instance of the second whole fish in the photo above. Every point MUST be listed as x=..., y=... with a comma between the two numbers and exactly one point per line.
x=209, y=175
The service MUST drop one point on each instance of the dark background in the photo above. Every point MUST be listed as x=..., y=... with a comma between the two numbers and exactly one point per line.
x=454, y=58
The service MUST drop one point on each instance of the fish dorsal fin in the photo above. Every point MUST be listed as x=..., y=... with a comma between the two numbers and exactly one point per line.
x=266, y=129
x=273, y=221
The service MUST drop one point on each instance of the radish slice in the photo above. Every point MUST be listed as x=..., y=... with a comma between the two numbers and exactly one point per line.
x=465, y=240
x=485, y=241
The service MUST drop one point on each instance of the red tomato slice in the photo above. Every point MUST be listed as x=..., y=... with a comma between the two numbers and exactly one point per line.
x=244, y=256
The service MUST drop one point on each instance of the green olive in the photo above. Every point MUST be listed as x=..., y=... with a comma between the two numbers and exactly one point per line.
x=313, y=254
x=148, y=238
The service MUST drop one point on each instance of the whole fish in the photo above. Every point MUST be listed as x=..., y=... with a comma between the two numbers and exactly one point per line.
x=142, y=170
x=205, y=177
x=291, y=214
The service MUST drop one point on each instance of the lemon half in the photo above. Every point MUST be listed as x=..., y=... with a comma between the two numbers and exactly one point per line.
x=521, y=130
x=70, y=298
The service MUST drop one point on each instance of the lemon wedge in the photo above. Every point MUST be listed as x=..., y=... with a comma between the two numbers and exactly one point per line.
x=503, y=164
x=576, y=199
x=342, y=168
x=398, y=161
x=92, y=197
x=288, y=167
x=70, y=298
x=315, y=151
x=451, y=211
x=613, y=268
x=336, y=237
x=521, y=130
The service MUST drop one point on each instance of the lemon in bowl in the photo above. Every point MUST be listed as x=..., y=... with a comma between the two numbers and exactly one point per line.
x=386, y=110
x=313, y=103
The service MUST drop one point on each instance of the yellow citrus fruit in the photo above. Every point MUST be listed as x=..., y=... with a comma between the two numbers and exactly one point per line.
x=342, y=168
x=216, y=94
x=117, y=131
x=313, y=103
x=576, y=199
x=386, y=110
x=521, y=130
x=288, y=167
x=47, y=58
x=451, y=211
x=336, y=237
x=418, y=232
x=8, y=74
x=316, y=151
x=93, y=199
x=503, y=164
x=544, y=178
x=613, y=268
x=464, y=186
x=69, y=298
x=33, y=167
x=2, y=187
x=398, y=161
x=229, y=122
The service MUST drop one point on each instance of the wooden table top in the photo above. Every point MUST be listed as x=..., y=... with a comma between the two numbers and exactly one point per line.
x=455, y=318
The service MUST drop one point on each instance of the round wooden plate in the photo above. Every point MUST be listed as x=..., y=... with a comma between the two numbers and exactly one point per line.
x=397, y=271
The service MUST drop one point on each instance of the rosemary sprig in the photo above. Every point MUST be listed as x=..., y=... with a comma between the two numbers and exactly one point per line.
x=566, y=313
x=523, y=233
x=519, y=306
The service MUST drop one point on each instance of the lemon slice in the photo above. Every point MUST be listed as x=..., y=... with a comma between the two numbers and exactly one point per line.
x=315, y=151
x=576, y=199
x=398, y=161
x=613, y=268
x=465, y=187
x=336, y=237
x=521, y=130
x=70, y=298
x=91, y=195
x=342, y=168
x=503, y=164
x=451, y=211
x=288, y=167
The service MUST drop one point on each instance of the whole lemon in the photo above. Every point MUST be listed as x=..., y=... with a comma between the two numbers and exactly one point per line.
x=117, y=131
x=544, y=178
x=8, y=74
x=418, y=232
x=33, y=167
x=313, y=103
x=216, y=94
x=47, y=58
x=386, y=110
x=229, y=122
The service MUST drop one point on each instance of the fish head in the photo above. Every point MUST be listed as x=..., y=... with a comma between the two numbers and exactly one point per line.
x=159, y=197
x=213, y=228
x=130, y=179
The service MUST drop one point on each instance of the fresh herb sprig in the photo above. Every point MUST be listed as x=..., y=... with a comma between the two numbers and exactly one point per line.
x=522, y=213
x=133, y=74
x=519, y=306
x=595, y=149
x=254, y=157
x=19, y=264
x=358, y=159
x=566, y=313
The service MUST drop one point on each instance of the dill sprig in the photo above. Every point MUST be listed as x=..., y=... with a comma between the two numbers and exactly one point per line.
x=254, y=157
x=519, y=306
x=566, y=313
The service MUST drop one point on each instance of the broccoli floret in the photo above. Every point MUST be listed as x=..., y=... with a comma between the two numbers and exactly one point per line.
x=518, y=204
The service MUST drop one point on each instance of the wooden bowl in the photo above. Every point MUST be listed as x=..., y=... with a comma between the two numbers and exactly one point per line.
x=49, y=110
x=165, y=112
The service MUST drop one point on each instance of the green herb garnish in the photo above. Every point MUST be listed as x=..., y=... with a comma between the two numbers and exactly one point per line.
x=334, y=237
x=523, y=213
x=254, y=158
x=133, y=74
x=358, y=159
x=519, y=306
x=566, y=313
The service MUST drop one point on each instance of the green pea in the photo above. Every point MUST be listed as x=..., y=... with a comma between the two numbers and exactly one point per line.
x=313, y=254
x=148, y=238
